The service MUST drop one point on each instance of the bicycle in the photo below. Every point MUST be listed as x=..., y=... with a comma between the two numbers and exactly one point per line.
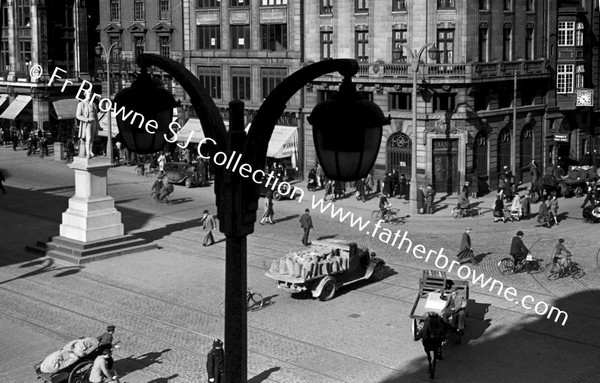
x=392, y=216
x=530, y=265
x=571, y=270
x=254, y=301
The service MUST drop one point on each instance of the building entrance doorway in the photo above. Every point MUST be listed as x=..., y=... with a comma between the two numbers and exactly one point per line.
x=399, y=154
x=445, y=165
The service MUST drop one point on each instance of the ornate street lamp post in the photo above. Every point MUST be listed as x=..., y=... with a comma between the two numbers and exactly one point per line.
x=415, y=60
x=101, y=49
x=237, y=196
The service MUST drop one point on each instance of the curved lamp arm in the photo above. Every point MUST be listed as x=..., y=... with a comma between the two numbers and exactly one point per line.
x=414, y=56
x=264, y=122
x=206, y=110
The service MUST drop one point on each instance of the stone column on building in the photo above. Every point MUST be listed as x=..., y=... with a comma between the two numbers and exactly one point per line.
x=12, y=40
x=80, y=47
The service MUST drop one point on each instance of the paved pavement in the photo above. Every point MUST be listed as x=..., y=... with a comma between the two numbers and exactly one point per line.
x=165, y=302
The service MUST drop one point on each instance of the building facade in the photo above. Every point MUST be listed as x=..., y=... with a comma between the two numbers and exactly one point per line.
x=242, y=49
x=35, y=32
x=488, y=100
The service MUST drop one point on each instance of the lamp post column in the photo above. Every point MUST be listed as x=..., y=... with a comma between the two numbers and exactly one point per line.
x=413, y=162
x=109, y=146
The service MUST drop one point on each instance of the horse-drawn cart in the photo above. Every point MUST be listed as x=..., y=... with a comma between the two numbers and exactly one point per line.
x=443, y=296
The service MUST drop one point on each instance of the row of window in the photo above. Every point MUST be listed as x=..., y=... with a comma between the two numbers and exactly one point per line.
x=273, y=37
x=210, y=77
x=139, y=9
x=570, y=33
x=235, y=3
x=401, y=5
x=23, y=14
x=139, y=44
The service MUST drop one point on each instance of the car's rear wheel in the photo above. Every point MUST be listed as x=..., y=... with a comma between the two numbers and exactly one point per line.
x=276, y=196
x=328, y=291
x=188, y=183
x=377, y=272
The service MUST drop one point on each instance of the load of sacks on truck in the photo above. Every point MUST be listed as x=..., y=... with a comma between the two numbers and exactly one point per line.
x=311, y=263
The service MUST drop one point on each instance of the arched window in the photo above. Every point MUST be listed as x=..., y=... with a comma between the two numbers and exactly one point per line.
x=526, y=153
x=503, y=150
x=399, y=154
x=480, y=154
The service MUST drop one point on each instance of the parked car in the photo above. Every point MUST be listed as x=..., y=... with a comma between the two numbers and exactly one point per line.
x=279, y=193
x=325, y=267
x=187, y=174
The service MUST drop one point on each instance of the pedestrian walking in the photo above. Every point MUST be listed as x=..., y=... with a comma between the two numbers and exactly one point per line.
x=420, y=200
x=526, y=206
x=215, y=362
x=208, y=224
x=553, y=207
x=306, y=224
x=543, y=214
x=465, y=252
x=268, y=214
x=328, y=190
x=369, y=183
x=429, y=198
x=106, y=340
x=474, y=185
x=403, y=187
x=100, y=371
x=2, y=179
x=319, y=175
x=395, y=183
x=162, y=160
x=387, y=185
x=499, y=208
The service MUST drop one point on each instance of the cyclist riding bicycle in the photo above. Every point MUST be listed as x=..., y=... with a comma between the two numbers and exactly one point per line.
x=384, y=206
x=562, y=260
x=518, y=250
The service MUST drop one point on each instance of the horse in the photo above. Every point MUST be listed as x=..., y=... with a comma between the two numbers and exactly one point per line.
x=432, y=334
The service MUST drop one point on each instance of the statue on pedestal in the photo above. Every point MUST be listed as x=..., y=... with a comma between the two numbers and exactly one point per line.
x=87, y=114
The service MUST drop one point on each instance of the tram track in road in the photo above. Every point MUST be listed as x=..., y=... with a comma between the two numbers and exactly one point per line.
x=280, y=337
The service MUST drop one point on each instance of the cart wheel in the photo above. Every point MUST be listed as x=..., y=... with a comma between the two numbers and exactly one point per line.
x=328, y=291
x=81, y=372
x=415, y=330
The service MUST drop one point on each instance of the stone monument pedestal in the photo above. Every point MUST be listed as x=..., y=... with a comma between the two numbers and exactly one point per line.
x=91, y=215
x=91, y=227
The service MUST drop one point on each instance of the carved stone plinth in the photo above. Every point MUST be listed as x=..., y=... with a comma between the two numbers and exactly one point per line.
x=91, y=215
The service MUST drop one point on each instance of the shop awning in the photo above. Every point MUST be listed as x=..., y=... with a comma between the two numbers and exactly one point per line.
x=65, y=109
x=3, y=99
x=104, y=125
x=16, y=107
x=283, y=143
x=193, y=126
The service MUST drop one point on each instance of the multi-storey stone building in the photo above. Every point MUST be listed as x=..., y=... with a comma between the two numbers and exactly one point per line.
x=242, y=49
x=468, y=118
x=35, y=32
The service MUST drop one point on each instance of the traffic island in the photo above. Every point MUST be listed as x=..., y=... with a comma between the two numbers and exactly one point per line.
x=91, y=227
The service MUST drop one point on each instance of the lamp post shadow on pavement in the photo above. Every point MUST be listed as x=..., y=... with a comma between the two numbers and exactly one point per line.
x=347, y=132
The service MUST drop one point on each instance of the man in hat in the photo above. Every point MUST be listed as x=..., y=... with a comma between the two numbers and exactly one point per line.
x=518, y=250
x=215, y=362
x=208, y=224
x=106, y=340
x=466, y=251
x=306, y=224
x=100, y=370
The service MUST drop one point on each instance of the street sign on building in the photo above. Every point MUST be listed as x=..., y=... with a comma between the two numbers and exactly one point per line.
x=560, y=137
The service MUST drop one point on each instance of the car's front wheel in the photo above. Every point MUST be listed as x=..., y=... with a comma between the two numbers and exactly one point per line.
x=276, y=196
x=188, y=183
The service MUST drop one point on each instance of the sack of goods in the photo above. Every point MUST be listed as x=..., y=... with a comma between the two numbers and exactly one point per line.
x=70, y=353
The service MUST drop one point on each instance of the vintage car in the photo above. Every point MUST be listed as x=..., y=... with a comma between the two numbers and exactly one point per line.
x=325, y=267
x=187, y=174
x=279, y=193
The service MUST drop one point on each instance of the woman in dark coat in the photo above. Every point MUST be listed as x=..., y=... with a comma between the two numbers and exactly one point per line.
x=420, y=199
x=526, y=206
x=215, y=362
x=474, y=185
x=429, y=198
x=387, y=185
x=499, y=209
x=543, y=214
